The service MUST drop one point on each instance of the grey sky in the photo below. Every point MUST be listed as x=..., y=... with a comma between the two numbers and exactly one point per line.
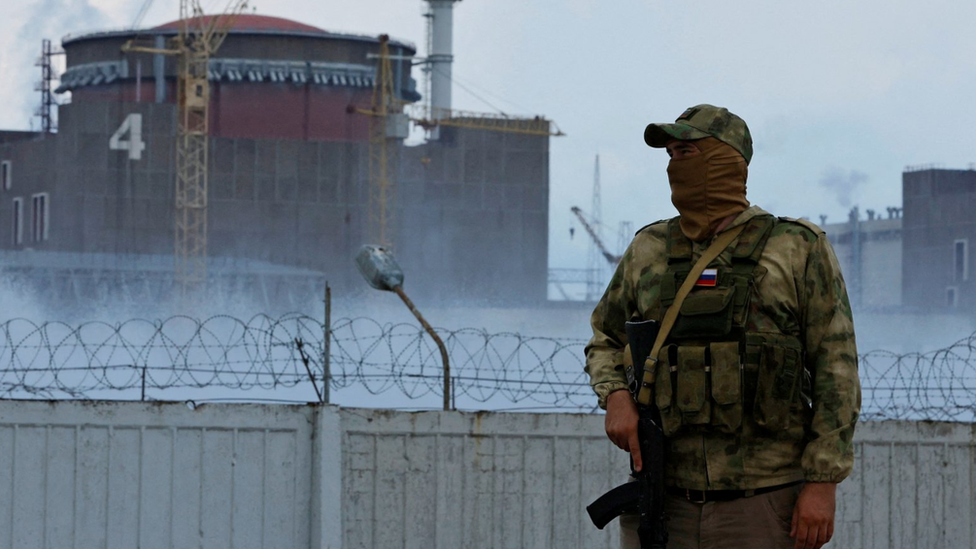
x=827, y=87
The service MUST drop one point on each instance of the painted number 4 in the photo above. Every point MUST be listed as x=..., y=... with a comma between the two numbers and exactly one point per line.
x=132, y=129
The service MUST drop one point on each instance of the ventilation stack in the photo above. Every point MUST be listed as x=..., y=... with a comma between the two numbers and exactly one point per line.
x=441, y=56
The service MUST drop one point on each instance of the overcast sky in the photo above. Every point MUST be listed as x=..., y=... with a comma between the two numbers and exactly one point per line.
x=840, y=96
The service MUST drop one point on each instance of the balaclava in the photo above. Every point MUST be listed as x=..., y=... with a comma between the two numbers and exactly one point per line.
x=708, y=187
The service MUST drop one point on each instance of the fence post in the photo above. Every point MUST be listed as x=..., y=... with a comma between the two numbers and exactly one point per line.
x=453, y=393
x=142, y=397
x=327, y=344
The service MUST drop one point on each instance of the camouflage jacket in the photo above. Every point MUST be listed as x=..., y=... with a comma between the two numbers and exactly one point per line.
x=798, y=296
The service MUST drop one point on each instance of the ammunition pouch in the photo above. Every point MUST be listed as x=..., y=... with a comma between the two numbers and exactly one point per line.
x=715, y=385
x=700, y=385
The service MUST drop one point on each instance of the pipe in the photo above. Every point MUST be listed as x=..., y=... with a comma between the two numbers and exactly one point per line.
x=159, y=70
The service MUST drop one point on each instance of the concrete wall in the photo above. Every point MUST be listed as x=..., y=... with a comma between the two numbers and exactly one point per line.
x=162, y=475
x=143, y=475
x=449, y=480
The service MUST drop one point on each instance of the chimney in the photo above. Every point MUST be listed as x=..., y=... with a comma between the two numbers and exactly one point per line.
x=441, y=56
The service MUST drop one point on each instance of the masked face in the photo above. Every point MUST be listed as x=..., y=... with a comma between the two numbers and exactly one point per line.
x=707, y=187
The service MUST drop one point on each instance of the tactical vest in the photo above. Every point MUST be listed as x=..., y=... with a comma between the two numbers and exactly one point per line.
x=712, y=370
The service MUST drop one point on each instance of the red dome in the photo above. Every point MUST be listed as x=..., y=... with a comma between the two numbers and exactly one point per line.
x=247, y=22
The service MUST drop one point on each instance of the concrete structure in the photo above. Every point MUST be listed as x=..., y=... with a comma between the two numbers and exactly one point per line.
x=95, y=474
x=870, y=254
x=272, y=78
x=288, y=167
x=938, y=227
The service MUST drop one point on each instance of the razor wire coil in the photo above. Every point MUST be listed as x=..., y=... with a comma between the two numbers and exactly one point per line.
x=257, y=359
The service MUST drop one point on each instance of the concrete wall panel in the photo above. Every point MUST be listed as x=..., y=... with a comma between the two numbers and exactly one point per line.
x=142, y=475
x=160, y=475
x=475, y=480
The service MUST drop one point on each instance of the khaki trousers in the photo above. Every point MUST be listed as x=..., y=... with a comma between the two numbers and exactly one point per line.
x=757, y=522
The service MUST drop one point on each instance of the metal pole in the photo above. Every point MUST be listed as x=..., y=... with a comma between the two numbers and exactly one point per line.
x=437, y=339
x=327, y=346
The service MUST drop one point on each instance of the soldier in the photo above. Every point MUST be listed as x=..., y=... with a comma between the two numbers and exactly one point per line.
x=757, y=382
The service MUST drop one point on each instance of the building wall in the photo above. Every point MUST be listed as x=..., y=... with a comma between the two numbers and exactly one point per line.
x=475, y=212
x=33, y=170
x=263, y=110
x=99, y=474
x=939, y=206
x=473, y=207
x=871, y=260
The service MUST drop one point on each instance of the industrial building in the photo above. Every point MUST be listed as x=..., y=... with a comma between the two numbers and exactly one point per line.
x=288, y=167
x=937, y=228
x=915, y=258
x=869, y=250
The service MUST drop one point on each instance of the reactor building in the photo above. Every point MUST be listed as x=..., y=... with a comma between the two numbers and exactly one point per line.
x=92, y=204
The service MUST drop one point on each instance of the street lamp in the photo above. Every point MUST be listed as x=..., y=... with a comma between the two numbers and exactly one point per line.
x=382, y=272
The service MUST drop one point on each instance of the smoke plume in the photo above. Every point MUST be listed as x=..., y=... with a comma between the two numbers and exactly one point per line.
x=842, y=183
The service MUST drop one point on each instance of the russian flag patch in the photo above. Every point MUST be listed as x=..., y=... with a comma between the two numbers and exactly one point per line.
x=709, y=278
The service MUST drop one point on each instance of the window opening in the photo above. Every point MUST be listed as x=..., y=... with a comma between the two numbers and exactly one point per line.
x=40, y=205
x=960, y=260
x=17, y=220
x=952, y=297
x=6, y=169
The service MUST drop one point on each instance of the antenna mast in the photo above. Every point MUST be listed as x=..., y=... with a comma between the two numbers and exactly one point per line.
x=595, y=263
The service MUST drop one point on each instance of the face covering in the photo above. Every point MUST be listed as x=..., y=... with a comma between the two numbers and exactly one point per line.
x=708, y=187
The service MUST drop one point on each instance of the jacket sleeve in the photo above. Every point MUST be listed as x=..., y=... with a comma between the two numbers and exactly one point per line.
x=831, y=360
x=604, y=353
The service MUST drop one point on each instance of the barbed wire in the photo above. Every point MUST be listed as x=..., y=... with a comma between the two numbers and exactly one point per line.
x=384, y=365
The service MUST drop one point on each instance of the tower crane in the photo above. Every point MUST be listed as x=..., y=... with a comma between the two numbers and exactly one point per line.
x=198, y=40
x=389, y=123
x=611, y=258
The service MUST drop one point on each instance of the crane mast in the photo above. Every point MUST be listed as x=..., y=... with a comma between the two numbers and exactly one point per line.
x=384, y=130
x=197, y=41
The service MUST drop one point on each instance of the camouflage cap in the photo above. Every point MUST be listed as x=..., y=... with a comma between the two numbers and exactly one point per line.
x=703, y=121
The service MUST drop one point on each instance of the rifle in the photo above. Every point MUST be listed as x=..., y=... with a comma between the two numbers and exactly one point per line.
x=646, y=494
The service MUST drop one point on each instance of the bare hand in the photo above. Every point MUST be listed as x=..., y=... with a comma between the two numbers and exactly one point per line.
x=621, y=424
x=813, y=516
